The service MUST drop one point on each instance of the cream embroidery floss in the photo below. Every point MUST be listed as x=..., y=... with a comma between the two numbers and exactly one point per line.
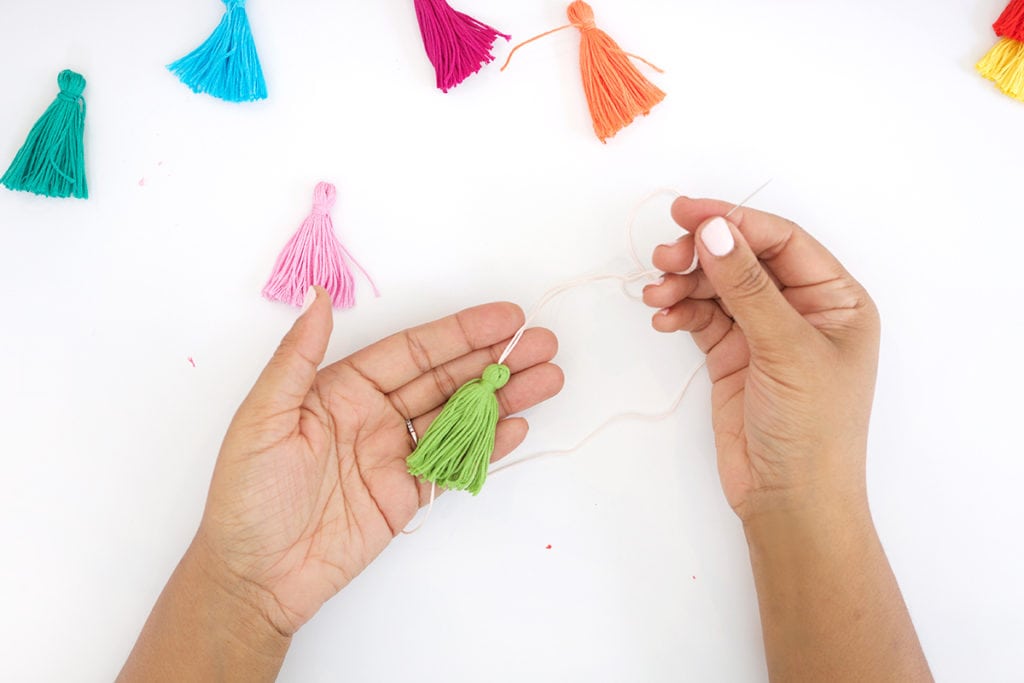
x=455, y=452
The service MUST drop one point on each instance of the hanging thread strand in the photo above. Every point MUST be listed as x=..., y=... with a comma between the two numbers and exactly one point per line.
x=456, y=450
x=515, y=49
x=645, y=417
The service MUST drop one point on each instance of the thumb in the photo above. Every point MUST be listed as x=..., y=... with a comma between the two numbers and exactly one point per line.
x=768, y=321
x=284, y=383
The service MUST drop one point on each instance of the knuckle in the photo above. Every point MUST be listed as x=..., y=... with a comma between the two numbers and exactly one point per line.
x=443, y=379
x=752, y=281
x=694, y=317
x=417, y=351
x=504, y=407
x=701, y=319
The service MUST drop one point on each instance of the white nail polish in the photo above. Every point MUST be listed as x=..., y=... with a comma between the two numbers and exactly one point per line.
x=665, y=311
x=717, y=237
x=308, y=300
x=659, y=281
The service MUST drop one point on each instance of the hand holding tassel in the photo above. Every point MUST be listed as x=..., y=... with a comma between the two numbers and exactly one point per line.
x=314, y=256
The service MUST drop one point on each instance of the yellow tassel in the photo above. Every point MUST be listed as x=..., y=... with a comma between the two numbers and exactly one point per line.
x=1004, y=66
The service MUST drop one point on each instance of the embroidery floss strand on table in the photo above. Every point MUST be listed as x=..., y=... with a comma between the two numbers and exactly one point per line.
x=457, y=44
x=1004, y=63
x=52, y=160
x=226, y=65
x=617, y=93
x=314, y=256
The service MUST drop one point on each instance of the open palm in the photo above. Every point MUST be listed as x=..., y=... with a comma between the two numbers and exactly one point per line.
x=311, y=482
x=792, y=343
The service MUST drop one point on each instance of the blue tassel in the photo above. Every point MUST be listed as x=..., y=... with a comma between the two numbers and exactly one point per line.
x=226, y=64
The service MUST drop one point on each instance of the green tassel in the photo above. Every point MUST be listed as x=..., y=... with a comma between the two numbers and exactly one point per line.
x=456, y=450
x=52, y=160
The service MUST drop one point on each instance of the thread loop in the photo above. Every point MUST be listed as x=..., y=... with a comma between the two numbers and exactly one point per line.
x=71, y=84
x=495, y=376
x=581, y=15
x=324, y=196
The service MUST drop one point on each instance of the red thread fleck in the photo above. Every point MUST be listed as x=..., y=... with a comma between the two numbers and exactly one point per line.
x=549, y=547
x=191, y=361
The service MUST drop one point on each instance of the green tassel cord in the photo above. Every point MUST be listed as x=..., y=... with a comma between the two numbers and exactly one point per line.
x=456, y=450
x=52, y=160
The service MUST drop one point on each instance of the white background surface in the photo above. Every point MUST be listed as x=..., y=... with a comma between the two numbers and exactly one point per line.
x=881, y=139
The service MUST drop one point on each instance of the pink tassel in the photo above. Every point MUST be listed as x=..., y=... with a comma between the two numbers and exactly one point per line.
x=457, y=44
x=314, y=256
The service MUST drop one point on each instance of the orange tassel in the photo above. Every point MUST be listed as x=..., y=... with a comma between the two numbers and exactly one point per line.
x=616, y=91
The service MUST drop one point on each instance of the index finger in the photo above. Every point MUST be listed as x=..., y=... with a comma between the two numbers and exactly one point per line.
x=793, y=256
x=395, y=361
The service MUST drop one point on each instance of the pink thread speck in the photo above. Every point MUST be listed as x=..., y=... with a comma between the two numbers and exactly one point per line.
x=191, y=361
x=314, y=256
x=142, y=182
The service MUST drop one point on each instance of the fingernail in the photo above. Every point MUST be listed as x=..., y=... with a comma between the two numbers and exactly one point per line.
x=664, y=311
x=308, y=300
x=659, y=281
x=717, y=237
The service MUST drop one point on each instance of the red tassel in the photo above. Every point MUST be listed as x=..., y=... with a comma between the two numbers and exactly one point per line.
x=1010, y=23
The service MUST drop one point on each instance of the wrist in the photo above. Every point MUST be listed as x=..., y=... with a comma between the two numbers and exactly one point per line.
x=825, y=522
x=823, y=484
x=205, y=627
x=233, y=607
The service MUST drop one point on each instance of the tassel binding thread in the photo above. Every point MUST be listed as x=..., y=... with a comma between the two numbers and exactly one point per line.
x=314, y=256
x=52, y=160
x=226, y=65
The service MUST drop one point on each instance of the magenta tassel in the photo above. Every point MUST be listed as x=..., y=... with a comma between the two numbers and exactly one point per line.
x=457, y=44
x=314, y=256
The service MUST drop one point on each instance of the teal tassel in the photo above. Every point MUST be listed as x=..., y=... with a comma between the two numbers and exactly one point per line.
x=226, y=64
x=52, y=160
x=456, y=450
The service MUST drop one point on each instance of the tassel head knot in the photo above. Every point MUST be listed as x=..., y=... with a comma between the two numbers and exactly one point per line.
x=323, y=198
x=232, y=4
x=71, y=84
x=495, y=376
x=581, y=15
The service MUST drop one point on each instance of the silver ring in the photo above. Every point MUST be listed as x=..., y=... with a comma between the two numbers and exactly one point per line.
x=412, y=433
